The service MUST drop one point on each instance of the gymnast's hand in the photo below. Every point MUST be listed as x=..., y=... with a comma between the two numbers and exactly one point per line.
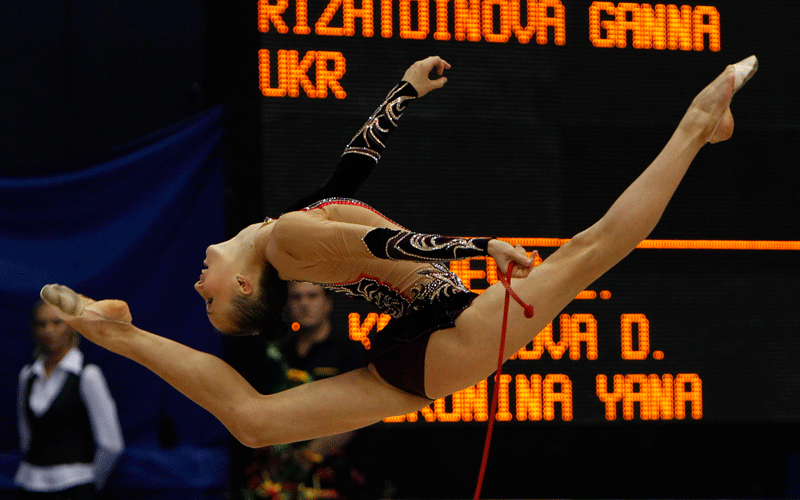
x=103, y=322
x=418, y=75
x=503, y=253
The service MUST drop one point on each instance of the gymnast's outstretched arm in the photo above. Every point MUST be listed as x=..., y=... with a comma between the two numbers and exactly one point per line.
x=364, y=150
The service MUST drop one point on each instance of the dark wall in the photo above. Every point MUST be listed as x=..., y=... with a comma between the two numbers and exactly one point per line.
x=79, y=77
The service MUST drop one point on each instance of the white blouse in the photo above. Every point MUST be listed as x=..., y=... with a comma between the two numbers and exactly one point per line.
x=102, y=415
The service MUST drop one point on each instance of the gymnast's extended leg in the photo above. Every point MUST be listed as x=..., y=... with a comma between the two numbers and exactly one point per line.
x=321, y=408
x=457, y=358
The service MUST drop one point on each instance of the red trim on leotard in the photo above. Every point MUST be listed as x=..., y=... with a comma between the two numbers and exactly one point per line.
x=347, y=201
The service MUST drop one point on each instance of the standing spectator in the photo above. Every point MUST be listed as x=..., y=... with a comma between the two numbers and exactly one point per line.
x=69, y=431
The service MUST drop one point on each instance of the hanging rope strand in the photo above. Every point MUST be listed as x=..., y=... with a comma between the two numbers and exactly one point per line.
x=506, y=280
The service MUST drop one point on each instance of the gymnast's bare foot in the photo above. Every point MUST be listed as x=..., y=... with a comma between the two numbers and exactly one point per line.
x=709, y=117
x=105, y=322
x=710, y=113
x=73, y=306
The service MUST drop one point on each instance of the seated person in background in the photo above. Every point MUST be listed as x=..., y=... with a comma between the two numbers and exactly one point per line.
x=69, y=431
x=315, y=347
x=313, y=350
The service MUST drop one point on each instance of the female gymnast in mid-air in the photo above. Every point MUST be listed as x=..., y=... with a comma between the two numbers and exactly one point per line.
x=443, y=338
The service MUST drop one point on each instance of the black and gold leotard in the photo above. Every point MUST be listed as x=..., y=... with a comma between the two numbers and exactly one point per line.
x=349, y=247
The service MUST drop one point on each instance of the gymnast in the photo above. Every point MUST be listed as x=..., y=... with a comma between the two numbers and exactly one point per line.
x=443, y=338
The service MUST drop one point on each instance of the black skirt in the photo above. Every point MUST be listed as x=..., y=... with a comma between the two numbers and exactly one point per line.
x=398, y=351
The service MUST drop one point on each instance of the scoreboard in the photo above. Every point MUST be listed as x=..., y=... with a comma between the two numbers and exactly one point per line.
x=553, y=107
x=659, y=27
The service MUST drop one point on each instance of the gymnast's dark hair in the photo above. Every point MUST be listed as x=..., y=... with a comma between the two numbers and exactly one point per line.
x=262, y=313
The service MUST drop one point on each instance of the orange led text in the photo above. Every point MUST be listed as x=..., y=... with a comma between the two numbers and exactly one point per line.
x=663, y=398
x=535, y=398
x=657, y=27
x=496, y=21
x=293, y=73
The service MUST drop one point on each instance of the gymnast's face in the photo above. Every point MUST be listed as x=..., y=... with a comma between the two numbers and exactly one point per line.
x=232, y=269
x=218, y=284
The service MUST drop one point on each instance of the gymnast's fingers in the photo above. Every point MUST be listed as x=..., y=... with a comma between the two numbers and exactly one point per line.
x=439, y=82
x=441, y=65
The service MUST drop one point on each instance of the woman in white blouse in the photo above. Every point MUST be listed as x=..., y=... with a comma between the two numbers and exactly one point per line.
x=69, y=431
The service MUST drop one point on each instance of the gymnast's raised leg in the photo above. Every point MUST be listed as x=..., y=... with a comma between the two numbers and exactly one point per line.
x=575, y=265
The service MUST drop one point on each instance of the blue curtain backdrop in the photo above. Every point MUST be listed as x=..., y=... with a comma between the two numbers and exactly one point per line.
x=134, y=227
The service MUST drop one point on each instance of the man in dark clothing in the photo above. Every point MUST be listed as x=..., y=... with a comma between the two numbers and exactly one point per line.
x=314, y=347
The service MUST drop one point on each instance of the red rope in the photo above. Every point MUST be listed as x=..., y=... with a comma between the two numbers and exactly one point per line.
x=506, y=280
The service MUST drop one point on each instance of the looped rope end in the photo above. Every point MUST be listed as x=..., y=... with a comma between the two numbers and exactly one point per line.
x=528, y=311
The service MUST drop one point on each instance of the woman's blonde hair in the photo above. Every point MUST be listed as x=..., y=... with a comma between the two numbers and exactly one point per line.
x=37, y=349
